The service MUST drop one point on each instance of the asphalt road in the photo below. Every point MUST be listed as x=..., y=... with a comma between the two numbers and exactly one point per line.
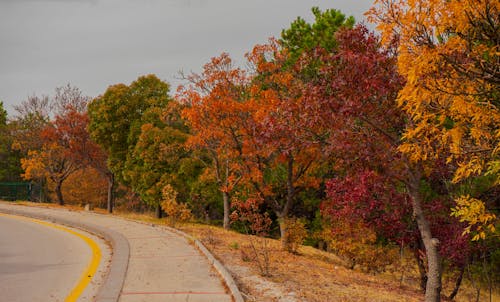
x=38, y=262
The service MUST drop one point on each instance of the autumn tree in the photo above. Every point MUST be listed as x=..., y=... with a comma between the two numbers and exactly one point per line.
x=86, y=186
x=448, y=53
x=47, y=143
x=279, y=157
x=50, y=162
x=33, y=115
x=355, y=94
x=72, y=128
x=215, y=112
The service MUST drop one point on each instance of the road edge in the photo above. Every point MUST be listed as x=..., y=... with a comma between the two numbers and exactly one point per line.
x=111, y=288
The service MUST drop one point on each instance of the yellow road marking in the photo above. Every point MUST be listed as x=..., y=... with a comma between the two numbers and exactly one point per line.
x=92, y=266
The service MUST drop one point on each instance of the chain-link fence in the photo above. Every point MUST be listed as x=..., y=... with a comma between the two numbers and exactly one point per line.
x=20, y=191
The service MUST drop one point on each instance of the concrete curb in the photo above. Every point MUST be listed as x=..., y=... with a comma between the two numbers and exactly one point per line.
x=219, y=267
x=111, y=288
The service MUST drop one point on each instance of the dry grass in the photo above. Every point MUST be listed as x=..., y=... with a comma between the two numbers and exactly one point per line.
x=311, y=275
x=314, y=275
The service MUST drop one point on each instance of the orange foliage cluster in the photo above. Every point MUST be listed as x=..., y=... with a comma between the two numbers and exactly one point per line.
x=86, y=186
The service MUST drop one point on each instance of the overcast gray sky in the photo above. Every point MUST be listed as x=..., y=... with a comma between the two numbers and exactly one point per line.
x=92, y=44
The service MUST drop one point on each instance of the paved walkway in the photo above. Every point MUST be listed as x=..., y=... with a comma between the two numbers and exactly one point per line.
x=162, y=266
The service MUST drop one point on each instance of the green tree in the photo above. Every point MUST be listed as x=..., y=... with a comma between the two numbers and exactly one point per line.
x=157, y=157
x=10, y=168
x=118, y=119
x=3, y=115
x=303, y=36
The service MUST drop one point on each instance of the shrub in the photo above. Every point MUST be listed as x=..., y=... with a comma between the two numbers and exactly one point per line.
x=177, y=212
x=296, y=233
x=254, y=222
x=357, y=245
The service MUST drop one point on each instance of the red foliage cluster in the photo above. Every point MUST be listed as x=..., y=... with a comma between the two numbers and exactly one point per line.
x=369, y=198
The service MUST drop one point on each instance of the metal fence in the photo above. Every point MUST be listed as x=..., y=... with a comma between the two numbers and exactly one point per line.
x=17, y=190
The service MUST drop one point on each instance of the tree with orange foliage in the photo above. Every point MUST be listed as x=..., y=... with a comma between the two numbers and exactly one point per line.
x=216, y=112
x=56, y=157
x=281, y=153
x=86, y=186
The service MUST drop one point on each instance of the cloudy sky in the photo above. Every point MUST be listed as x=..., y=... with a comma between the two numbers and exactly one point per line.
x=92, y=44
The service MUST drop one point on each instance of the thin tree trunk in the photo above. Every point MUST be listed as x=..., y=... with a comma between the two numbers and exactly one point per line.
x=458, y=282
x=111, y=189
x=59, y=194
x=225, y=199
x=488, y=276
x=421, y=265
x=283, y=230
x=433, y=285
x=284, y=213
x=158, y=212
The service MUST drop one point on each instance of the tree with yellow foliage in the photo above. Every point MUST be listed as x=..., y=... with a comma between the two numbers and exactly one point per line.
x=50, y=162
x=449, y=53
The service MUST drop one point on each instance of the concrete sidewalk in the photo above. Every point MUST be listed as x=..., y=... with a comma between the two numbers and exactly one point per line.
x=161, y=266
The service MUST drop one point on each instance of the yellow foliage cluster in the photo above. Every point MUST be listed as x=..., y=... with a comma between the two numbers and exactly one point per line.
x=473, y=211
x=296, y=232
x=449, y=54
x=177, y=212
x=33, y=166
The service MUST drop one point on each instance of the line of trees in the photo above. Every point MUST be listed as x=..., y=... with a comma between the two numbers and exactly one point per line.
x=387, y=140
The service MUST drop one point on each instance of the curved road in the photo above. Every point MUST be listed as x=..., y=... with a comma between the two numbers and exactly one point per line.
x=38, y=262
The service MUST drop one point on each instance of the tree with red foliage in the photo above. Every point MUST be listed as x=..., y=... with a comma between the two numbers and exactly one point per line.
x=280, y=152
x=353, y=99
x=70, y=128
x=372, y=199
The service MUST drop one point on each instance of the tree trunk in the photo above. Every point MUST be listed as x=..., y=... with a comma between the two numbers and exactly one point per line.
x=283, y=214
x=59, y=194
x=283, y=231
x=225, y=199
x=421, y=265
x=158, y=212
x=433, y=285
x=457, y=283
x=111, y=189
